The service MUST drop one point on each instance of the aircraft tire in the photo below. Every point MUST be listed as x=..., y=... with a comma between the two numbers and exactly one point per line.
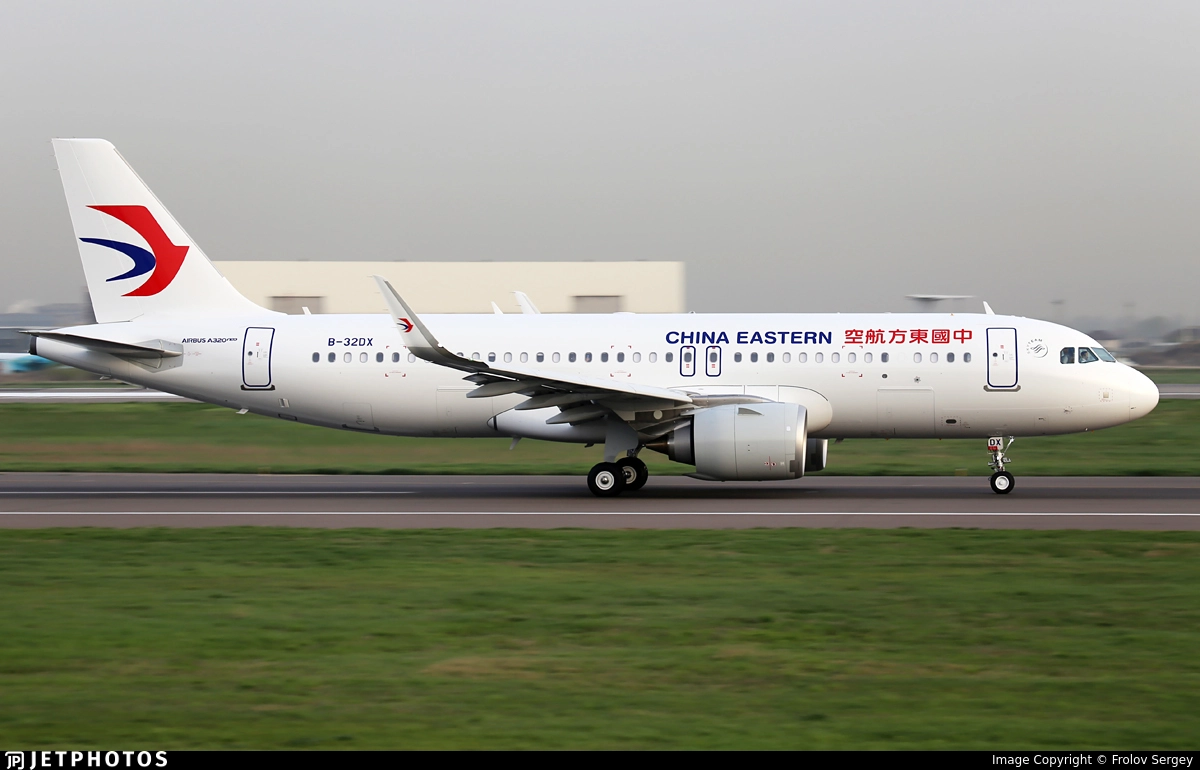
x=606, y=480
x=1002, y=482
x=636, y=473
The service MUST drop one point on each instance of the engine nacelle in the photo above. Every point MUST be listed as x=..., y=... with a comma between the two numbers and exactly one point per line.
x=742, y=442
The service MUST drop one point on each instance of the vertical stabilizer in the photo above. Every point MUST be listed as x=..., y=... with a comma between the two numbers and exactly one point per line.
x=137, y=259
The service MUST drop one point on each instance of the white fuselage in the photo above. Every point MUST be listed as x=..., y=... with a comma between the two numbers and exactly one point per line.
x=985, y=375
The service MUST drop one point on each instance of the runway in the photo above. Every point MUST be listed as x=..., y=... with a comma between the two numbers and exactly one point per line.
x=197, y=500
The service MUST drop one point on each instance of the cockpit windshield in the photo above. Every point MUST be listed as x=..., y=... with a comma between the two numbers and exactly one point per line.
x=1086, y=356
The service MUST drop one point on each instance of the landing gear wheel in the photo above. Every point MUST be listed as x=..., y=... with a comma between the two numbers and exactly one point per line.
x=636, y=473
x=606, y=480
x=1003, y=482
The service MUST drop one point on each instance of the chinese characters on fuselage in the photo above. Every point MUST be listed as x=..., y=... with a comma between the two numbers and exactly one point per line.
x=851, y=337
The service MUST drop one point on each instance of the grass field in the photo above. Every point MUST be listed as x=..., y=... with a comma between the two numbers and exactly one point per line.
x=196, y=438
x=256, y=638
x=1173, y=375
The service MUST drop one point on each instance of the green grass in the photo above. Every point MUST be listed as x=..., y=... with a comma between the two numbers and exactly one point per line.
x=1182, y=375
x=262, y=638
x=200, y=438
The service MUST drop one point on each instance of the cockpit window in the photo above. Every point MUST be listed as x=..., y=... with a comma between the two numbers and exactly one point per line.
x=1066, y=356
x=1086, y=356
x=1104, y=355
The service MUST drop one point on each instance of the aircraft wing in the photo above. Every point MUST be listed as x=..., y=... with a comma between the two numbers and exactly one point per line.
x=580, y=398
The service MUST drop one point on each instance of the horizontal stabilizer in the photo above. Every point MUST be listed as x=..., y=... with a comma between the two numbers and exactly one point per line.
x=150, y=349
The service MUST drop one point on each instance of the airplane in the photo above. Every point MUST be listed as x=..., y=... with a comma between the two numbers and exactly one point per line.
x=740, y=396
x=19, y=363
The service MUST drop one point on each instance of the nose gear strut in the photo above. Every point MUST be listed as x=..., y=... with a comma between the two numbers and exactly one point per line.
x=1002, y=481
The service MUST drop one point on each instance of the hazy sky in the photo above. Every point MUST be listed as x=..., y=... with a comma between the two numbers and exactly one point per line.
x=797, y=156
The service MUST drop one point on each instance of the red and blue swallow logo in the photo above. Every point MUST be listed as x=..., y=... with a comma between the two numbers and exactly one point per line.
x=408, y=325
x=163, y=260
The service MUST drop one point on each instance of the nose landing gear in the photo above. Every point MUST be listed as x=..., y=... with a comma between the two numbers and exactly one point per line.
x=1002, y=481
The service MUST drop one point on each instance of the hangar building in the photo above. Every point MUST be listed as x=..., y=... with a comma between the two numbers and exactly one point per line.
x=462, y=287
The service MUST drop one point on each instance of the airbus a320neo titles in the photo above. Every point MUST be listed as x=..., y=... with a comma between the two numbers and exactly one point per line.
x=742, y=397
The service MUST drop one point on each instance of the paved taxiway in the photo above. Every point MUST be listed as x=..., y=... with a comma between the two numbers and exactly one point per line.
x=191, y=500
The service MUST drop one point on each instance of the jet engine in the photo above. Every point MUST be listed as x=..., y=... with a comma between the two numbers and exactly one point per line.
x=742, y=442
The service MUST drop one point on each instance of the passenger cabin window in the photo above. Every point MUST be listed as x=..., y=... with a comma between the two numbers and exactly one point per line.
x=654, y=358
x=316, y=357
x=604, y=358
x=556, y=358
x=395, y=358
x=411, y=358
x=885, y=357
x=620, y=358
x=819, y=357
x=802, y=358
x=737, y=358
x=541, y=357
x=508, y=358
x=835, y=357
x=346, y=358
x=754, y=358
x=637, y=358
x=850, y=358
x=491, y=358
x=587, y=357
x=379, y=358
x=916, y=358
x=933, y=358
x=1086, y=356
x=770, y=358
x=787, y=358
x=670, y=357
x=949, y=358
x=687, y=356
x=362, y=357
x=868, y=357
x=966, y=358
x=571, y=357
x=524, y=358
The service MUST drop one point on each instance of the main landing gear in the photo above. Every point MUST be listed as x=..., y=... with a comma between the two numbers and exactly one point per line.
x=1002, y=481
x=628, y=474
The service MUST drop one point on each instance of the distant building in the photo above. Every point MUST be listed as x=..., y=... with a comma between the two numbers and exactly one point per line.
x=1184, y=335
x=462, y=287
x=1110, y=340
x=53, y=316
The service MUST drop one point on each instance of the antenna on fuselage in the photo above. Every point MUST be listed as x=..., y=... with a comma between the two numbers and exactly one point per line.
x=925, y=302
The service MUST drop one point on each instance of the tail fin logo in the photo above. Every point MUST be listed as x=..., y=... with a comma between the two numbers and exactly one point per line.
x=163, y=260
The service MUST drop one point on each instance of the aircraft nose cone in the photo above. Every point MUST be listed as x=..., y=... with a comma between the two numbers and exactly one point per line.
x=1143, y=395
